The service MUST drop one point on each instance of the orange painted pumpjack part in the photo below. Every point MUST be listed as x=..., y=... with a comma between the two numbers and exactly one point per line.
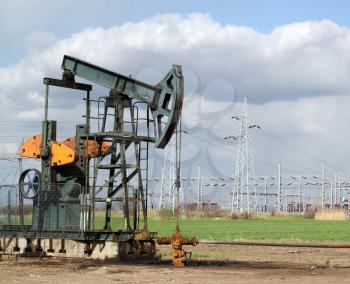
x=31, y=148
x=94, y=148
x=62, y=153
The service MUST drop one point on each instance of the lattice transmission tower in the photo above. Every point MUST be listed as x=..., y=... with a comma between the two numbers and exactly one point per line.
x=167, y=187
x=244, y=197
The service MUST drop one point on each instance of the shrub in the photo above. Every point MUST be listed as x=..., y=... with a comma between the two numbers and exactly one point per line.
x=330, y=214
x=243, y=215
x=309, y=215
x=165, y=214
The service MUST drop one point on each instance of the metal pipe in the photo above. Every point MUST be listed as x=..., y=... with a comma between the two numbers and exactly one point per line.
x=301, y=245
x=46, y=102
x=20, y=197
x=8, y=206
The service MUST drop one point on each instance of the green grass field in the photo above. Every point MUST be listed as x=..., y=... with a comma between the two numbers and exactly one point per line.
x=274, y=229
x=271, y=229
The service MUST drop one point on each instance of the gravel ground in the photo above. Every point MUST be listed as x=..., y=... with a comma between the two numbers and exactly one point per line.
x=210, y=264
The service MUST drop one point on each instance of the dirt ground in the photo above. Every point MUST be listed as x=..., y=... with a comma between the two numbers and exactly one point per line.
x=210, y=264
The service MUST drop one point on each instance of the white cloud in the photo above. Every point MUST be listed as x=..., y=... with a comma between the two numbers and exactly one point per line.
x=35, y=114
x=302, y=59
x=297, y=76
x=37, y=41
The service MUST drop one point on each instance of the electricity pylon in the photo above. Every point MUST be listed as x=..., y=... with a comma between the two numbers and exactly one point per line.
x=244, y=185
x=167, y=186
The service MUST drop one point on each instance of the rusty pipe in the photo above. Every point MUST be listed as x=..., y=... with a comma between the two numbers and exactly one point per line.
x=300, y=245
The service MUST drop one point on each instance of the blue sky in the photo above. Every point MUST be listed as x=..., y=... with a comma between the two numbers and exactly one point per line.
x=265, y=15
x=63, y=18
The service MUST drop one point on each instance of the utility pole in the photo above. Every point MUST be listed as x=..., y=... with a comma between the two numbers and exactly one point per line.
x=286, y=197
x=175, y=189
x=335, y=190
x=234, y=198
x=331, y=205
x=161, y=198
x=306, y=188
x=339, y=192
x=199, y=199
x=279, y=190
x=265, y=190
x=322, y=186
x=182, y=195
x=299, y=193
x=255, y=198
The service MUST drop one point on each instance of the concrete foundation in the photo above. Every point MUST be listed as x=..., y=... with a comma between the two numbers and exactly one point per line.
x=58, y=248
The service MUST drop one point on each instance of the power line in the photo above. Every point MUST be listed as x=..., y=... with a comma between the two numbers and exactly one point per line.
x=280, y=159
x=285, y=143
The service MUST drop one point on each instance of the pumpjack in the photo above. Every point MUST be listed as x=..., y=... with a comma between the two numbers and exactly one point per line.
x=104, y=165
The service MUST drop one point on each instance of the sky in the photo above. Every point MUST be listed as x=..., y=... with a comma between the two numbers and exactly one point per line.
x=289, y=58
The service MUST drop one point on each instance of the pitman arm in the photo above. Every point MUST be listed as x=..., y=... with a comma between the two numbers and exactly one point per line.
x=165, y=99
